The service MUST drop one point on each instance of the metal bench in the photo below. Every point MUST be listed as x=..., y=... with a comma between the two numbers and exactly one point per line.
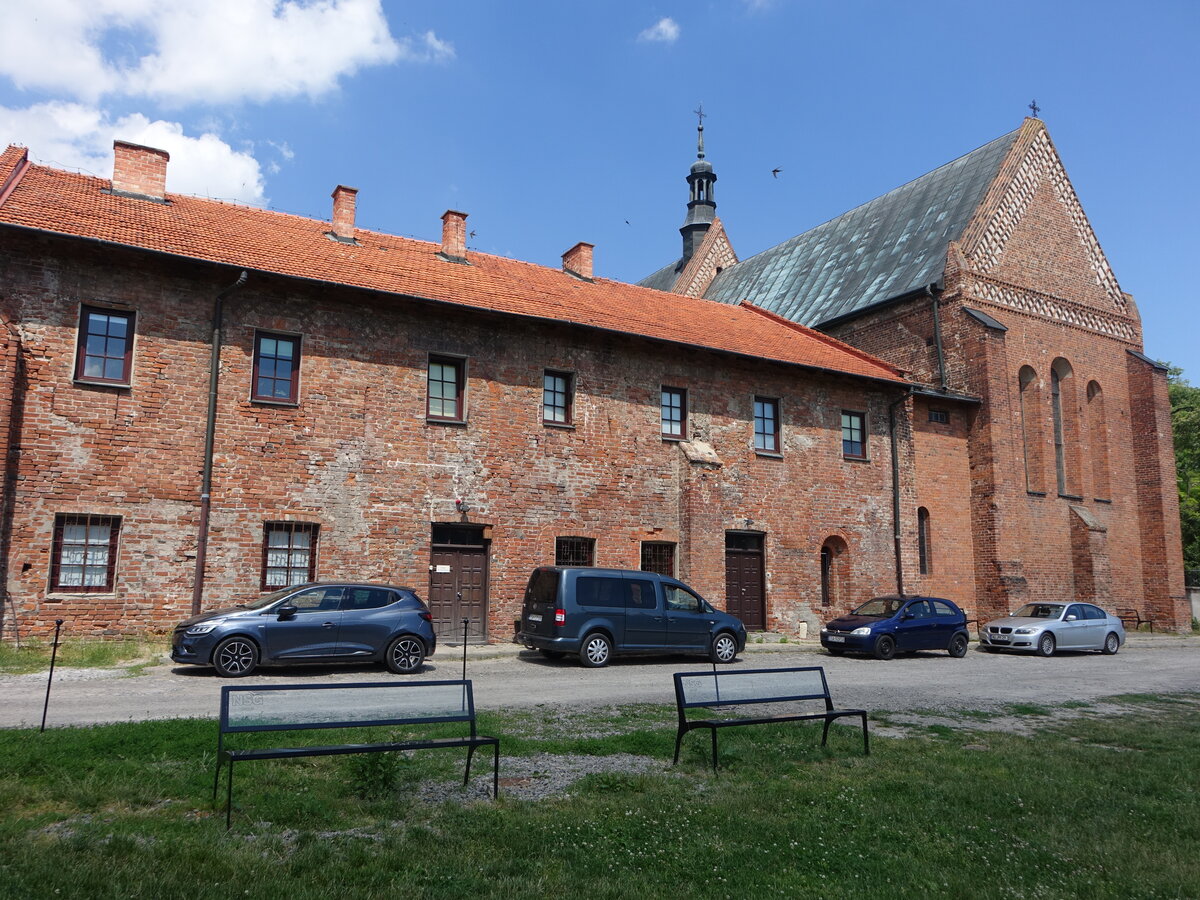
x=782, y=695
x=302, y=707
x=1133, y=619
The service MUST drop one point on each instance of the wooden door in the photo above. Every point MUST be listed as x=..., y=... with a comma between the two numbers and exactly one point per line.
x=745, y=594
x=458, y=587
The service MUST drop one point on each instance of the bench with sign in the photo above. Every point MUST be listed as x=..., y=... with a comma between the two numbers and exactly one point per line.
x=302, y=707
x=756, y=697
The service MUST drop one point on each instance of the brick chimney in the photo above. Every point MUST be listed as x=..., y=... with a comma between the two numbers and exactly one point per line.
x=578, y=260
x=454, y=235
x=139, y=170
x=344, y=199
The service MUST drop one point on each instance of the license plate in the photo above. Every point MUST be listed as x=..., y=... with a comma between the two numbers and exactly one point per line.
x=534, y=617
x=835, y=638
x=1000, y=640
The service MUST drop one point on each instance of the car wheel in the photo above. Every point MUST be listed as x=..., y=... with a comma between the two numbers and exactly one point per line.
x=552, y=654
x=596, y=650
x=724, y=648
x=1112, y=643
x=1045, y=645
x=406, y=654
x=235, y=657
x=885, y=647
x=958, y=646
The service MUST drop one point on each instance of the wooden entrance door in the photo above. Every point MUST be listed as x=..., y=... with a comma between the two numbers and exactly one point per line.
x=745, y=593
x=458, y=581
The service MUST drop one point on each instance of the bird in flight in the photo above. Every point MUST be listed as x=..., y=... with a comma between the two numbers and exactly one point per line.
x=472, y=234
x=775, y=172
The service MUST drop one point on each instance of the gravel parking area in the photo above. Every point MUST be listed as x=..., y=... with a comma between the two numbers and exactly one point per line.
x=923, y=684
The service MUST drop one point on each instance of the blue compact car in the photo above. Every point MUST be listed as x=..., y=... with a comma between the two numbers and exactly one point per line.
x=307, y=623
x=886, y=626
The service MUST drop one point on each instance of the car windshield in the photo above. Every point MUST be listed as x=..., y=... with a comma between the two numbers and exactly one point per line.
x=263, y=602
x=880, y=606
x=1040, y=611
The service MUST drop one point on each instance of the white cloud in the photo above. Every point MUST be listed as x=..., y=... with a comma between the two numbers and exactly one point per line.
x=211, y=52
x=77, y=136
x=665, y=30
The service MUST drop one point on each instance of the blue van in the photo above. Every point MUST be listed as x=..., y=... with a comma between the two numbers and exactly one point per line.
x=598, y=612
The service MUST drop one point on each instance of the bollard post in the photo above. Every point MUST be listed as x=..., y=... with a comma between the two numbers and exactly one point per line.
x=50, y=678
x=464, y=621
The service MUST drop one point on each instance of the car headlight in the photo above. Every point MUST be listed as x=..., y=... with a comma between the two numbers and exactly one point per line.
x=866, y=629
x=203, y=628
x=1026, y=630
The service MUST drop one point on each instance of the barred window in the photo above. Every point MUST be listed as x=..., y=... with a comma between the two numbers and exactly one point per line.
x=289, y=554
x=84, y=557
x=574, y=551
x=558, y=396
x=939, y=416
x=658, y=556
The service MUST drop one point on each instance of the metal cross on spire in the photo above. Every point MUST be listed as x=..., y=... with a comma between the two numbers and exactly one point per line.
x=1036, y=109
x=700, y=114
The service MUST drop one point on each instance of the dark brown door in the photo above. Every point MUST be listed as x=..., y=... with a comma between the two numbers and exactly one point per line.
x=744, y=588
x=458, y=580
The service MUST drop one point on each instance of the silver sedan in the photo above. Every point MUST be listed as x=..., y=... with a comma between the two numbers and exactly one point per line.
x=1046, y=627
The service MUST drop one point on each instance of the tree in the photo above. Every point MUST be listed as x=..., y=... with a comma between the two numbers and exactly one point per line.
x=1185, y=423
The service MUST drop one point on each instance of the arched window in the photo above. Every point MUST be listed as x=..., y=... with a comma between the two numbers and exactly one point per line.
x=1031, y=429
x=1063, y=410
x=1098, y=434
x=924, y=544
x=835, y=565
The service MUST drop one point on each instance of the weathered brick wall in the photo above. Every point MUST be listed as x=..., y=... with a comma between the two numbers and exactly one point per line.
x=357, y=457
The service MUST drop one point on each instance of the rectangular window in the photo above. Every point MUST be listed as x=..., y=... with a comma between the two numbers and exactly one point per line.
x=84, y=557
x=658, y=556
x=105, y=350
x=940, y=416
x=674, y=413
x=445, y=398
x=854, y=434
x=574, y=551
x=558, y=397
x=289, y=554
x=766, y=425
x=276, y=367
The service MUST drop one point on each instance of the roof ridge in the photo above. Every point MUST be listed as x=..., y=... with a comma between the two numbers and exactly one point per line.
x=821, y=336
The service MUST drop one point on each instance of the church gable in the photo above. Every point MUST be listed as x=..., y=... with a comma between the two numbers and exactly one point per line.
x=715, y=254
x=1031, y=232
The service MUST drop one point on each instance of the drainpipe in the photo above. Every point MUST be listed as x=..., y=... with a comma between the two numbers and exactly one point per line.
x=934, y=293
x=896, y=532
x=214, y=372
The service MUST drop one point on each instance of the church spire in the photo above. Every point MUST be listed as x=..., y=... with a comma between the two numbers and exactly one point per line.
x=702, y=208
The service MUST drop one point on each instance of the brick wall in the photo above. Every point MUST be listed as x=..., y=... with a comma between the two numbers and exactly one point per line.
x=357, y=457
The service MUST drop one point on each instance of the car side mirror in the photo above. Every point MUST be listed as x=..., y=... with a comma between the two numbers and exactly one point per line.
x=1072, y=618
x=908, y=615
x=287, y=612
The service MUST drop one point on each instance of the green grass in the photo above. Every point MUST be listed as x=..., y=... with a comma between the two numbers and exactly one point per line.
x=34, y=654
x=1091, y=807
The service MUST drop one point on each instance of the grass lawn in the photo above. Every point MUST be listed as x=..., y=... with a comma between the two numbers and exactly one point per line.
x=34, y=654
x=1091, y=806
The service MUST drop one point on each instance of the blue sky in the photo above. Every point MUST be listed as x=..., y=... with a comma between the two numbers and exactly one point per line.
x=555, y=122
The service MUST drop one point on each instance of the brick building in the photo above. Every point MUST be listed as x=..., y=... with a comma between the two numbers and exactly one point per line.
x=203, y=401
x=1040, y=463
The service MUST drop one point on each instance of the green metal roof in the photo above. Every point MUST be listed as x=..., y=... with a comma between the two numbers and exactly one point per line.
x=881, y=250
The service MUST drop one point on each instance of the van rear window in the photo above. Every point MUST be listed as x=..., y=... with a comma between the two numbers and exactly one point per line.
x=542, y=587
x=605, y=592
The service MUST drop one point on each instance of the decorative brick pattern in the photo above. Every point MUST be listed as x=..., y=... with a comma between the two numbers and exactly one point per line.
x=1077, y=315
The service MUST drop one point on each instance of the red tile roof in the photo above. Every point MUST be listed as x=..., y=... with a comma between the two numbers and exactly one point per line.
x=246, y=237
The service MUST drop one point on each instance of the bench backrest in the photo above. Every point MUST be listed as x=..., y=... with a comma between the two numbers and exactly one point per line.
x=706, y=689
x=285, y=707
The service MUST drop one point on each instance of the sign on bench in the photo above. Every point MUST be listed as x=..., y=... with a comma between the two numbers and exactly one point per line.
x=757, y=697
x=303, y=707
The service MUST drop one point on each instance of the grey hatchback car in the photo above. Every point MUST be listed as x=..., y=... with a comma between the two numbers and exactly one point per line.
x=307, y=623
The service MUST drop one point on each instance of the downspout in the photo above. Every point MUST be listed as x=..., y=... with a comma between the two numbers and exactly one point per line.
x=214, y=374
x=934, y=293
x=896, y=531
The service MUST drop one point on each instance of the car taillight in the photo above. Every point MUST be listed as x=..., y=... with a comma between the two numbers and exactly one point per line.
x=560, y=617
x=427, y=616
